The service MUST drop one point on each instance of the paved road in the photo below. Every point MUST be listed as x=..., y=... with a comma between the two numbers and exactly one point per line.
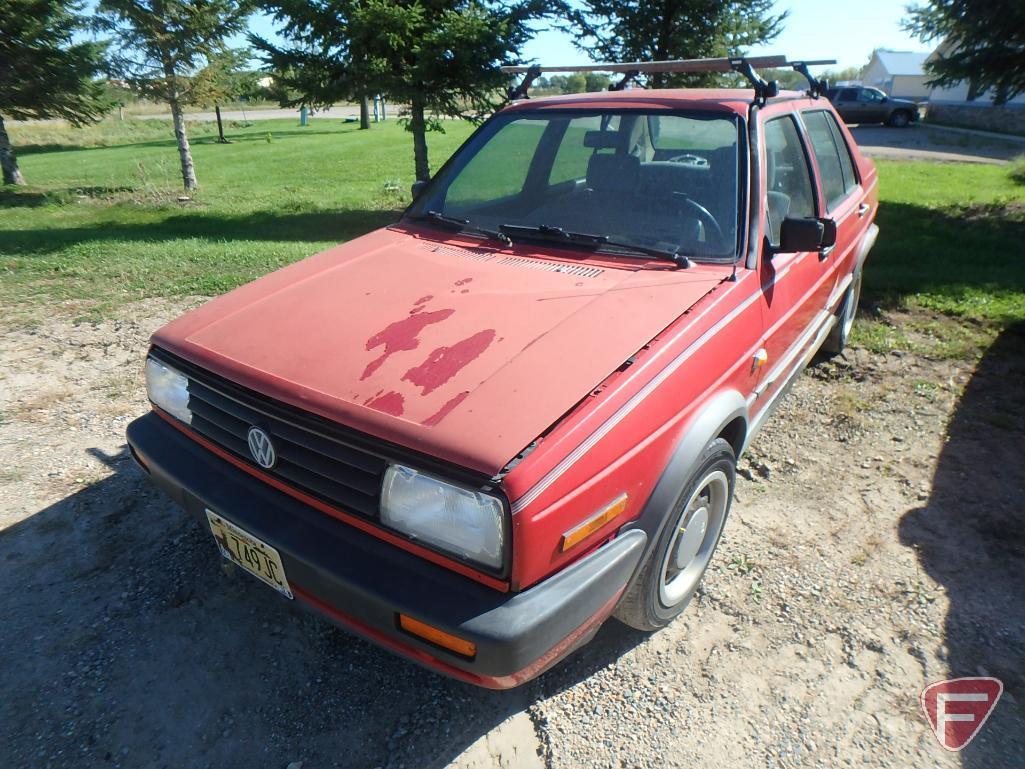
x=921, y=142
x=339, y=111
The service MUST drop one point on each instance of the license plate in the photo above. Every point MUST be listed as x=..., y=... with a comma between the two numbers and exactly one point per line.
x=243, y=549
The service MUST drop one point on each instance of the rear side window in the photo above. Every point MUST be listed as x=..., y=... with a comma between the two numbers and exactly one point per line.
x=789, y=178
x=832, y=155
x=849, y=94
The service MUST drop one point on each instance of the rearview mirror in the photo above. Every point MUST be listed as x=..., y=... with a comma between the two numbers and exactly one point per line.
x=802, y=235
x=417, y=188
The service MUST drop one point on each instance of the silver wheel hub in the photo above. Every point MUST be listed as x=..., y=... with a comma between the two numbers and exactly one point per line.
x=696, y=531
x=690, y=538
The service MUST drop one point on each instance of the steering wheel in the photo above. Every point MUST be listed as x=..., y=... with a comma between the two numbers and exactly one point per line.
x=689, y=159
x=705, y=216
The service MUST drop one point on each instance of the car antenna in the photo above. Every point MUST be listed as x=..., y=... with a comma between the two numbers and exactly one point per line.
x=816, y=87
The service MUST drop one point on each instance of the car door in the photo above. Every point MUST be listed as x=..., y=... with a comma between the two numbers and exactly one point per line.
x=842, y=196
x=793, y=285
x=872, y=105
x=847, y=104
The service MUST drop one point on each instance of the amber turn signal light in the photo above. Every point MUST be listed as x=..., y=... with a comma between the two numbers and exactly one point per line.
x=575, y=535
x=436, y=636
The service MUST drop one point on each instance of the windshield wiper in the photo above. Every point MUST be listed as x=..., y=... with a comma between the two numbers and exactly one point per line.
x=462, y=225
x=548, y=232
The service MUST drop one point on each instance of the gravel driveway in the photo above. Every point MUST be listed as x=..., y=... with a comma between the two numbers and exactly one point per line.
x=876, y=545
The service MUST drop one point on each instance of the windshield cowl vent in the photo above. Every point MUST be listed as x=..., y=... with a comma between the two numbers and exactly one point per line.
x=575, y=270
x=476, y=254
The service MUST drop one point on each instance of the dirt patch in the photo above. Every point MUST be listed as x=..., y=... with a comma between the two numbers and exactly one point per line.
x=876, y=545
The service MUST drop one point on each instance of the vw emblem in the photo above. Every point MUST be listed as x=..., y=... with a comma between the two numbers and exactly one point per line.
x=261, y=448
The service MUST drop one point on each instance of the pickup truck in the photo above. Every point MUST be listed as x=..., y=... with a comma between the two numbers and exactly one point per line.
x=858, y=104
x=474, y=435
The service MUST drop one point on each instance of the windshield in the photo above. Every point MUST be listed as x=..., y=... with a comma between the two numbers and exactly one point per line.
x=655, y=180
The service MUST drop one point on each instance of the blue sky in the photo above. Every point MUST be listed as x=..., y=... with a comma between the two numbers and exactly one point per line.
x=815, y=29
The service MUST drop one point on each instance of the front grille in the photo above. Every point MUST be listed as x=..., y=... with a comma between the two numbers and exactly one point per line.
x=334, y=472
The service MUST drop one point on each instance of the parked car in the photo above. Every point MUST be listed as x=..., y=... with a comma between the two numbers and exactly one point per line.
x=857, y=104
x=476, y=434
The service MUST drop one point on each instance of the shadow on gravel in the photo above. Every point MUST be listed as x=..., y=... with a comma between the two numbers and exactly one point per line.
x=971, y=539
x=124, y=644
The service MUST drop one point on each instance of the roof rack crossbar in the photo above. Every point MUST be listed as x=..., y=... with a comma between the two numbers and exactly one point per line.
x=643, y=67
x=816, y=87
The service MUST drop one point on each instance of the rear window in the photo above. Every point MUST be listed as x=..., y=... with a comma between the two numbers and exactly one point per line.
x=832, y=155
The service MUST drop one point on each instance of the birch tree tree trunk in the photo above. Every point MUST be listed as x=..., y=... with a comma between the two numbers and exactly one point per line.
x=418, y=127
x=184, y=150
x=12, y=174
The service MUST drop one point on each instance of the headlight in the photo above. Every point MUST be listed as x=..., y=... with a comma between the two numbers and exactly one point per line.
x=168, y=389
x=465, y=523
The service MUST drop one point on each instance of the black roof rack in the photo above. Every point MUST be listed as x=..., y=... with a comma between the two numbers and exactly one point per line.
x=815, y=87
x=743, y=65
x=632, y=69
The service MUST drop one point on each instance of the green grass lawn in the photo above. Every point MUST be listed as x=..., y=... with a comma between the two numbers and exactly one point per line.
x=105, y=223
x=102, y=224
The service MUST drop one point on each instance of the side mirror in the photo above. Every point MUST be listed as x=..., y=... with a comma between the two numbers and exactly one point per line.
x=806, y=235
x=417, y=188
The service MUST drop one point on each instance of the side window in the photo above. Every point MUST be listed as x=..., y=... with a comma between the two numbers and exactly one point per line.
x=788, y=176
x=849, y=94
x=833, y=158
x=850, y=179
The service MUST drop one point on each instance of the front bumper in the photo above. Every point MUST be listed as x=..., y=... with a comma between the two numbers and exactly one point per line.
x=362, y=583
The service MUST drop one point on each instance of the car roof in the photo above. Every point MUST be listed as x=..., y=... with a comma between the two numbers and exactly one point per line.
x=735, y=100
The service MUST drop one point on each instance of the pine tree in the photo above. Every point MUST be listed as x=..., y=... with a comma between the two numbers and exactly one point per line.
x=161, y=45
x=656, y=30
x=43, y=72
x=441, y=57
x=984, y=43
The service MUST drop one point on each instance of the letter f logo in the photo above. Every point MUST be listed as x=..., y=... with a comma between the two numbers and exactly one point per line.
x=958, y=708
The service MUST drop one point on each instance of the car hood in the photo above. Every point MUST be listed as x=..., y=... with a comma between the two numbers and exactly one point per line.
x=433, y=342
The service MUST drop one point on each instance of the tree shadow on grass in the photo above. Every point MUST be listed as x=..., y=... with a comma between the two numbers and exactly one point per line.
x=125, y=644
x=317, y=226
x=13, y=197
x=970, y=538
x=251, y=133
x=946, y=252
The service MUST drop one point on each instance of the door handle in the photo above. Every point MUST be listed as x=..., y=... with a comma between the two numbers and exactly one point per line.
x=863, y=209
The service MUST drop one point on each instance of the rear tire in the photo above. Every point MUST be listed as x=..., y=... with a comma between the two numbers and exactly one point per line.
x=900, y=118
x=685, y=544
x=836, y=342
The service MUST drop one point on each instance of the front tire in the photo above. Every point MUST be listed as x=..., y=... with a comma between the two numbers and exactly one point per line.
x=688, y=538
x=900, y=119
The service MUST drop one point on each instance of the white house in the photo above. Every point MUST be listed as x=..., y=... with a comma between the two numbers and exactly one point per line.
x=900, y=74
x=962, y=104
